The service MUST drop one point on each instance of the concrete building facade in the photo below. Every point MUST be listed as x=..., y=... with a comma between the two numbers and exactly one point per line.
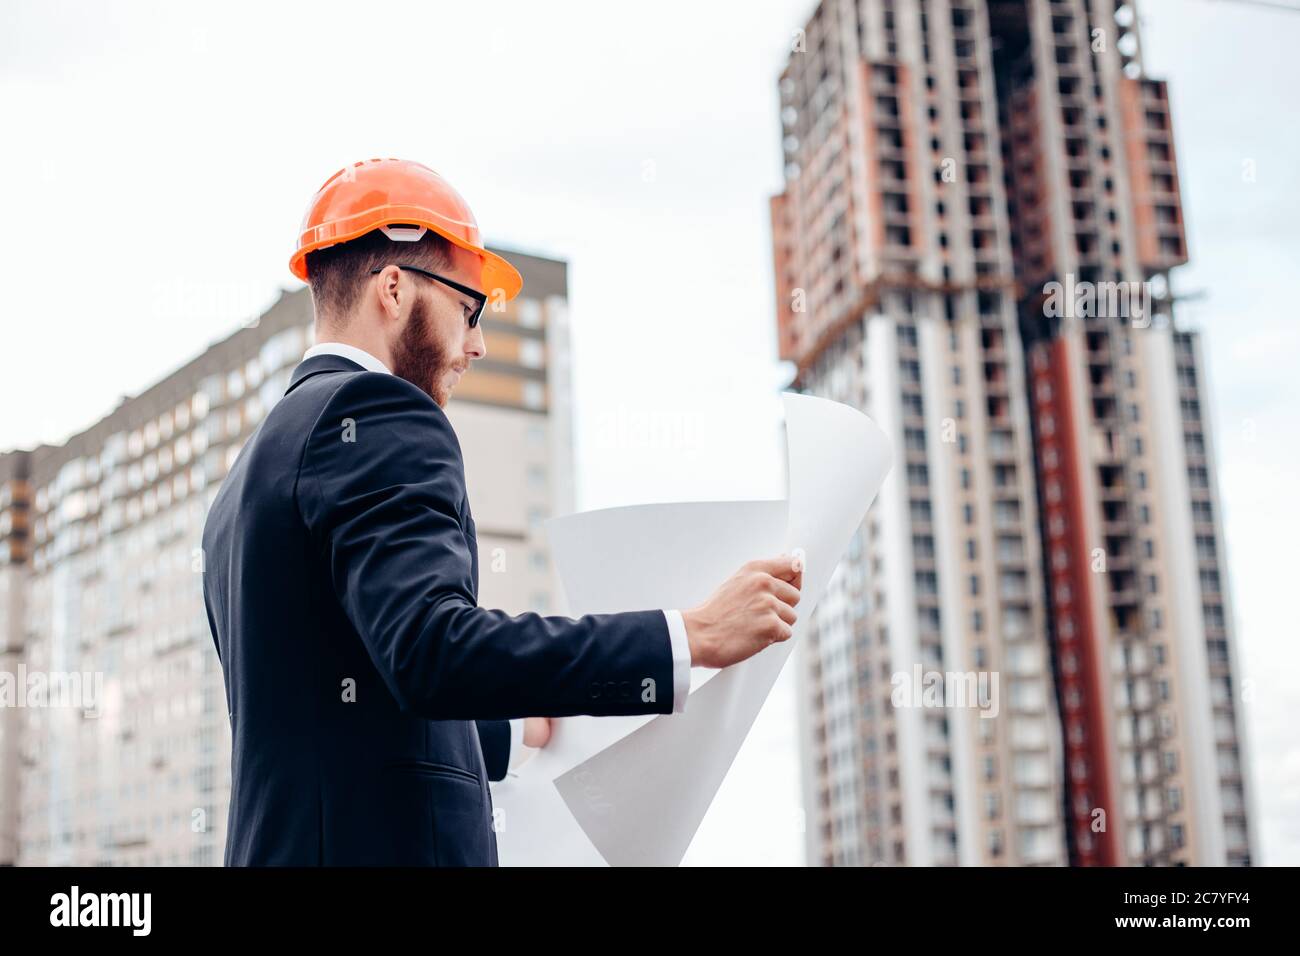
x=974, y=243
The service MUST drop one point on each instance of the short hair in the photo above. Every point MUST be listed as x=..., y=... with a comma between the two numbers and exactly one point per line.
x=337, y=273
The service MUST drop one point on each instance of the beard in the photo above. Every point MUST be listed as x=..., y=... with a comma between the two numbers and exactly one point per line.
x=419, y=357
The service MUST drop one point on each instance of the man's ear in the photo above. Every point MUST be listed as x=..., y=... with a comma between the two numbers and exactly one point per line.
x=387, y=291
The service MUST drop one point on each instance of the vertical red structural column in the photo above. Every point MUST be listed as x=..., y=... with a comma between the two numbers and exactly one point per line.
x=1080, y=641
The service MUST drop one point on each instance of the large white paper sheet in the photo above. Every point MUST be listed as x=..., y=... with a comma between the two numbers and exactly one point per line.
x=629, y=791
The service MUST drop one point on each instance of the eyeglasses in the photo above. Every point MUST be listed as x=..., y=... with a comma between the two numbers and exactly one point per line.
x=474, y=294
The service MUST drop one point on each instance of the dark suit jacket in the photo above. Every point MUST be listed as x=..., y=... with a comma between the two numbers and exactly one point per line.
x=368, y=692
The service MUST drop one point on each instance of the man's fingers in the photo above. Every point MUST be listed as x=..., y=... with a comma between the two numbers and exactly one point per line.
x=786, y=613
x=782, y=566
x=788, y=593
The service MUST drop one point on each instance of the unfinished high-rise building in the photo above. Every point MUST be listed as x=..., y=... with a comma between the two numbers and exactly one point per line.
x=974, y=242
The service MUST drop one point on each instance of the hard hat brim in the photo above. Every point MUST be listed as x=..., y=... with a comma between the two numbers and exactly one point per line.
x=498, y=274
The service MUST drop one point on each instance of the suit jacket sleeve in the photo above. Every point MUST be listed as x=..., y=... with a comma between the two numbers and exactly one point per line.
x=494, y=735
x=381, y=488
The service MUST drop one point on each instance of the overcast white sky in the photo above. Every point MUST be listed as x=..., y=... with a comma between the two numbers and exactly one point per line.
x=158, y=158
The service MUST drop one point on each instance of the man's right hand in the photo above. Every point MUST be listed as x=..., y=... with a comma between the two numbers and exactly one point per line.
x=750, y=610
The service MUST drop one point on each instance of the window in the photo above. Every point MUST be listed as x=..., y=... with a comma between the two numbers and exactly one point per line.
x=530, y=313
x=992, y=805
x=531, y=353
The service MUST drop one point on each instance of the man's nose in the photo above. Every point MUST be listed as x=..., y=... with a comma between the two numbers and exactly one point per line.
x=475, y=344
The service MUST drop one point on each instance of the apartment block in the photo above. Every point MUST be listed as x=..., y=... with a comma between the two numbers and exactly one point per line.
x=971, y=188
x=15, y=527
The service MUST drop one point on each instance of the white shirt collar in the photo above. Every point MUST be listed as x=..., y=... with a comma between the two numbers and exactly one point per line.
x=360, y=356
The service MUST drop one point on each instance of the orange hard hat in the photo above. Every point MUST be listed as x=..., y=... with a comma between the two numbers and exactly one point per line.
x=403, y=199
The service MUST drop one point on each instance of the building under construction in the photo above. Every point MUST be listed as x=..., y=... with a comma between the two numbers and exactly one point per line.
x=981, y=212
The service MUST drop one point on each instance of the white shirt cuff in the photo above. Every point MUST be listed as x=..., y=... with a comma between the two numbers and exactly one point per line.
x=681, y=659
x=519, y=751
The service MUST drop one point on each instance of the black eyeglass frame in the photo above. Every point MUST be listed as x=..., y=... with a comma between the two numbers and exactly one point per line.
x=474, y=294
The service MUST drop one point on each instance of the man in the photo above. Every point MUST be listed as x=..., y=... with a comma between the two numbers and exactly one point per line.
x=368, y=692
